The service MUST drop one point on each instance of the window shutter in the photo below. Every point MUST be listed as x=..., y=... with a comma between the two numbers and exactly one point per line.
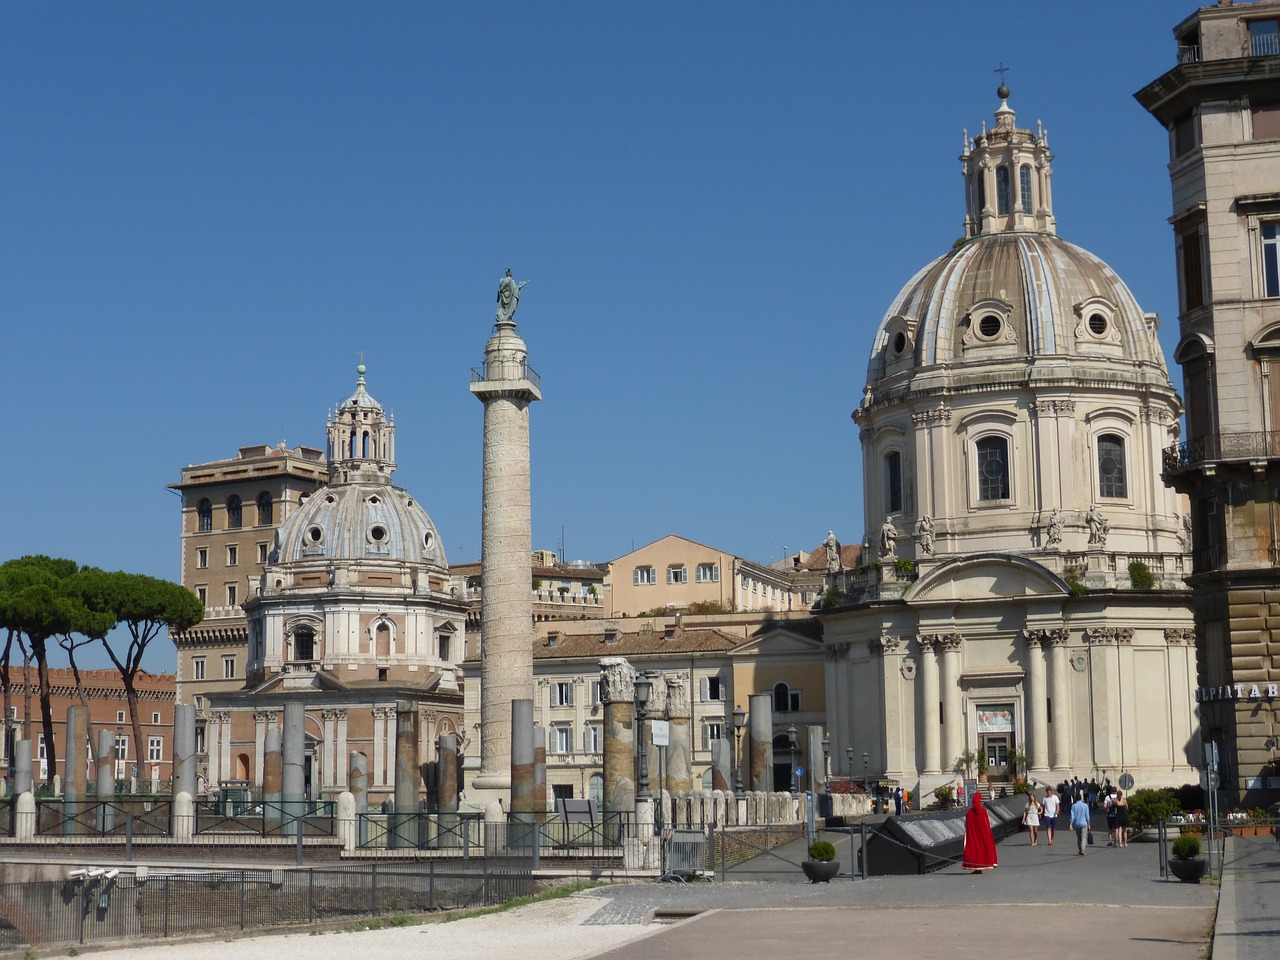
x=705, y=693
x=568, y=692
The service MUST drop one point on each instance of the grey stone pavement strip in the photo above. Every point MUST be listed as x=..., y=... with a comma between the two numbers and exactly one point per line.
x=1248, y=926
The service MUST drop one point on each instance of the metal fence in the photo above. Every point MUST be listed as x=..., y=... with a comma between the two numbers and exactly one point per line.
x=101, y=908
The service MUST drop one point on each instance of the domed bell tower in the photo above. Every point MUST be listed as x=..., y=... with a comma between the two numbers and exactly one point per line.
x=362, y=439
x=1006, y=176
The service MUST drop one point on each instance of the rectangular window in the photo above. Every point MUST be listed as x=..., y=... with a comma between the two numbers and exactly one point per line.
x=591, y=738
x=199, y=702
x=595, y=693
x=1024, y=187
x=231, y=594
x=893, y=482
x=644, y=577
x=1266, y=120
x=794, y=698
x=233, y=555
x=202, y=557
x=262, y=553
x=708, y=573
x=155, y=749
x=197, y=668
x=443, y=646
x=1184, y=134
x=1192, y=270
x=712, y=689
x=202, y=594
x=993, y=468
x=119, y=716
x=677, y=573
x=40, y=751
x=1264, y=38
x=710, y=733
x=1271, y=259
x=201, y=746
x=562, y=693
x=228, y=668
x=122, y=747
x=155, y=717
x=563, y=739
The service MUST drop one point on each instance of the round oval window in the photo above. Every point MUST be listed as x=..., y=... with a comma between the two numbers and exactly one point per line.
x=428, y=540
x=899, y=342
x=377, y=534
x=1109, y=466
x=315, y=534
x=1097, y=324
x=989, y=325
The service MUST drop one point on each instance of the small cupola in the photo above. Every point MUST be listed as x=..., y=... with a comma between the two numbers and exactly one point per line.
x=1006, y=176
x=362, y=442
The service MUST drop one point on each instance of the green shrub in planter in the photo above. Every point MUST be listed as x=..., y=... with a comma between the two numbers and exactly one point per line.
x=945, y=794
x=822, y=851
x=1140, y=576
x=1186, y=846
x=1149, y=807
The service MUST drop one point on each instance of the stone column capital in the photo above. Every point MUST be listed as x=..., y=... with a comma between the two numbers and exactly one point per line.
x=617, y=680
x=950, y=641
x=1177, y=635
x=928, y=642
x=1052, y=637
x=884, y=644
x=1116, y=635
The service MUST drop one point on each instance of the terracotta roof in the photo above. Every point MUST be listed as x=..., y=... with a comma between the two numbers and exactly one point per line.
x=850, y=557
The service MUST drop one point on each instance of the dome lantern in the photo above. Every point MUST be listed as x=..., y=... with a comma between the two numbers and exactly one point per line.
x=1006, y=175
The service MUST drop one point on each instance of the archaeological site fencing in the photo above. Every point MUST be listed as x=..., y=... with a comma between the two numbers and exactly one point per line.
x=92, y=909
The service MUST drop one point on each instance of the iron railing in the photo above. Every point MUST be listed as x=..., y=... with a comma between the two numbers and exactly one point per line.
x=505, y=370
x=421, y=831
x=1254, y=445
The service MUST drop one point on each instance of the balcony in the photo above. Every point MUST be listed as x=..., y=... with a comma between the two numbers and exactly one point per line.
x=505, y=370
x=1217, y=447
x=1189, y=54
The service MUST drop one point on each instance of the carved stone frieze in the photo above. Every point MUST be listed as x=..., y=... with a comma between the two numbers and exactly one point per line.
x=939, y=415
x=1054, y=408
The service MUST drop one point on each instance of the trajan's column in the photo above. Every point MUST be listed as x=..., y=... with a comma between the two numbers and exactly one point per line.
x=506, y=385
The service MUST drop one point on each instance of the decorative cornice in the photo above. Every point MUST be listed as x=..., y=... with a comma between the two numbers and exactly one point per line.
x=1175, y=635
x=938, y=415
x=1115, y=635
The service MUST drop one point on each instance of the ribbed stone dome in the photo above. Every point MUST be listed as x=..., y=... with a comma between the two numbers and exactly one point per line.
x=360, y=521
x=1013, y=294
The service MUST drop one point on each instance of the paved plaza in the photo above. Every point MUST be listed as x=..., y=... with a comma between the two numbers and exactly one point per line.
x=1044, y=899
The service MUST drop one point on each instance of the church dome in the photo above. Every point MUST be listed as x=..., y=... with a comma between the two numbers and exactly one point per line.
x=360, y=521
x=1013, y=294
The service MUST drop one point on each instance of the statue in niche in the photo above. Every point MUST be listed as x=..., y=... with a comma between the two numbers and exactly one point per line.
x=1056, y=525
x=508, y=297
x=924, y=535
x=832, y=546
x=888, y=538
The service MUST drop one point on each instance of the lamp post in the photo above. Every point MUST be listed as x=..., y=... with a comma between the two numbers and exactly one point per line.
x=791, y=740
x=848, y=752
x=739, y=724
x=642, y=686
x=866, y=771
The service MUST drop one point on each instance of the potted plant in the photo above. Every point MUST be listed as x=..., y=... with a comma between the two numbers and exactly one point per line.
x=945, y=795
x=1187, y=864
x=822, y=864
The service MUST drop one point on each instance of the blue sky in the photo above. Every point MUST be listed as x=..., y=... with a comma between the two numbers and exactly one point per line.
x=209, y=209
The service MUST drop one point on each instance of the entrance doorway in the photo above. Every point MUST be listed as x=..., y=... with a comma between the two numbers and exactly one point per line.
x=995, y=751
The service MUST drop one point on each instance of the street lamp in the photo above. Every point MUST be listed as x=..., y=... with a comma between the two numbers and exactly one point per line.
x=643, y=686
x=866, y=771
x=791, y=739
x=848, y=752
x=739, y=723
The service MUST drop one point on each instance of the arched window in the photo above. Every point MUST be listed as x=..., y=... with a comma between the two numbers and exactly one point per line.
x=893, y=482
x=1024, y=186
x=1111, y=474
x=352, y=446
x=1003, y=204
x=365, y=446
x=235, y=512
x=982, y=190
x=266, y=513
x=204, y=516
x=993, y=468
x=781, y=698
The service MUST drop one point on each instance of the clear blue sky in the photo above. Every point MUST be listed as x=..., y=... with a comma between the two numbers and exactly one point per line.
x=210, y=208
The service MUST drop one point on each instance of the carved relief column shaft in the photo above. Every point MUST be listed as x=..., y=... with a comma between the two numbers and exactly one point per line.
x=679, y=772
x=952, y=703
x=1059, y=677
x=928, y=703
x=1033, y=704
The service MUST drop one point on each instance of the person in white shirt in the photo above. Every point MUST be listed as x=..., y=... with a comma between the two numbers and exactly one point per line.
x=1051, y=805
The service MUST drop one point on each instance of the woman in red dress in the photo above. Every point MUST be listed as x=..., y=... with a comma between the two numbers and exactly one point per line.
x=979, y=844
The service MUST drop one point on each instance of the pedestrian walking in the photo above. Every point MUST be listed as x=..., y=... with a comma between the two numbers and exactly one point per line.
x=897, y=801
x=1031, y=816
x=1112, y=812
x=979, y=843
x=1080, y=823
x=1050, y=806
x=1122, y=819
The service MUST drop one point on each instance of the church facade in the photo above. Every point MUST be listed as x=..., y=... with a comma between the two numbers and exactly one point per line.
x=356, y=616
x=1022, y=598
